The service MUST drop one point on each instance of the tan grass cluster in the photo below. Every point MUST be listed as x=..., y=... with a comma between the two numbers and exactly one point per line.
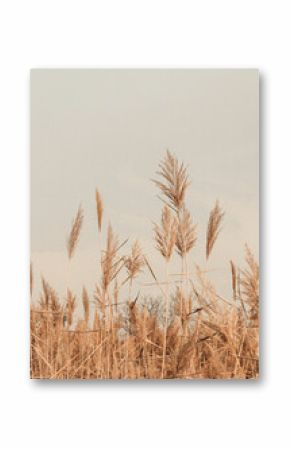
x=188, y=332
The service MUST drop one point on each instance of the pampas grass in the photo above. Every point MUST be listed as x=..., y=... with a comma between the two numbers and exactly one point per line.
x=75, y=232
x=186, y=233
x=100, y=209
x=189, y=331
x=165, y=234
x=213, y=227
x=135, y=261
x=250, y=285
x=174, y=181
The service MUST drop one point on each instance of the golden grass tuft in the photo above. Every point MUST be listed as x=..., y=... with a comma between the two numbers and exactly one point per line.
x=186, y=233
x=100, y=209
x=135, y=261
x=174, y=181
x=165, y=234
x=250, y=285
x=75, y=232
x=213, y=227
x=234, y=279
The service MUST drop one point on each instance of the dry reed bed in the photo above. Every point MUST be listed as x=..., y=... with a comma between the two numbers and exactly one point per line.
x=191, y=332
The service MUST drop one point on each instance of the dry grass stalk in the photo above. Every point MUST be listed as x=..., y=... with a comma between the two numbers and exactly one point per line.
x=49, y=299
x=165, y=238
x=86, y=305
x=165, y=234
x=134, y=262
x=213, y=227
x=70, y=307
x=111, y=263
x=99, y=297
x=250, y=285
x=75, y=232
x=116, y=294
x=100, y=209
x=234, y=279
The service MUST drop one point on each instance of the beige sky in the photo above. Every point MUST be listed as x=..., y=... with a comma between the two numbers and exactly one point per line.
x=109, y=129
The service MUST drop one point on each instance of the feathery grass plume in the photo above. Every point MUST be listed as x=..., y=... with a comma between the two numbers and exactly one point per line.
x=250, y=284
x=213, y=227
x=55, y=305
x=111, y=263
x=46, y=294
x=174, y=181
x=98, y=294
x=186, y=233
x=50, y=305
x=70, y=306
x=49, y=299
x=75, y=232
x=99, y=297
x=134, y=262
x=86, y=305
x=100, y=209
x=165, y=233
x=234, y=279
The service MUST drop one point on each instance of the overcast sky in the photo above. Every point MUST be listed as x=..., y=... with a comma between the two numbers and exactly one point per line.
x=109, y=129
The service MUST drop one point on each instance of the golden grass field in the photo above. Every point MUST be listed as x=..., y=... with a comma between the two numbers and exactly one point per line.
x=188, y=332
